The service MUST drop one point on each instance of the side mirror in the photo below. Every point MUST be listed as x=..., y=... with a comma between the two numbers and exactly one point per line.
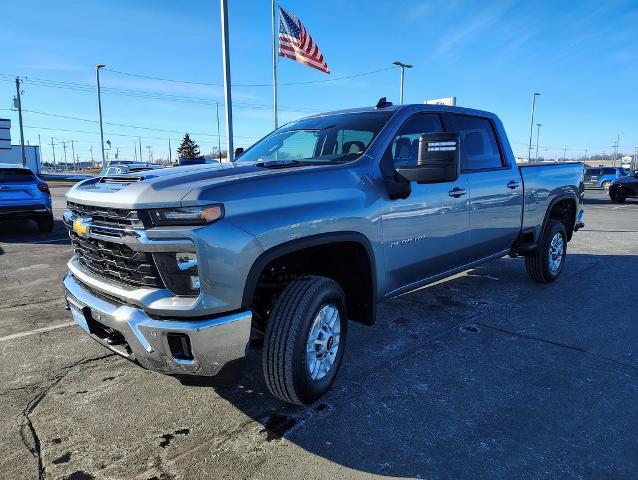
x=238, y=151
x=438, y=159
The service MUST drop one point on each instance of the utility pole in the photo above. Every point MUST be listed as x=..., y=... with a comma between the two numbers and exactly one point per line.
x=170, y=153
x=117, y=153
x=19, y=107
x=228, y=101
x=402, y=66
x=91, y=149
x=53, y=150
x=66, y=166
x=73, y=153
x=616, y=148
x=585, y=154
x=149, y=152
x=538, y=133
x=99, y=109
x=564, y=154
x=140, y=140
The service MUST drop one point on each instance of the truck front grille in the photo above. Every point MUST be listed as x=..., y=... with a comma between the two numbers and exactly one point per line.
x=107, y=217
x=116, y=261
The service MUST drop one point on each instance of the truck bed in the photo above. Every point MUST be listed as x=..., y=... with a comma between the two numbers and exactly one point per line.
x=544, y=182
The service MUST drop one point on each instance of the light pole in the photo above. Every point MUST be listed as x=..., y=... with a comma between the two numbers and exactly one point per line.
x=531, y=126
x=538, y=133
x=219, y=139
x=99, y=109
x=402, y=66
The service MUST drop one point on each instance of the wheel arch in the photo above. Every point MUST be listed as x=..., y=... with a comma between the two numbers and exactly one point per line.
x=361, y=295
x=564, y=208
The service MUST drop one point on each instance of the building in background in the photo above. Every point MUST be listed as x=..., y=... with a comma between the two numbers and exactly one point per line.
x=12, y=154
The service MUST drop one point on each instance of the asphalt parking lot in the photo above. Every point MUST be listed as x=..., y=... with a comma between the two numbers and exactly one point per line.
x=484, y=375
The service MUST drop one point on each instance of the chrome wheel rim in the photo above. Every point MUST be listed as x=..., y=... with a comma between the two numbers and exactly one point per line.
x=323, y=342
x=555, y=256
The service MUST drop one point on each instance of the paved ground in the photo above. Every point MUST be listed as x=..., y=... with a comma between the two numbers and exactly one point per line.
x=485, y=375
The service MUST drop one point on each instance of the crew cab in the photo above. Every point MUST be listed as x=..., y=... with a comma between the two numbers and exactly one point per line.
x=310, y=228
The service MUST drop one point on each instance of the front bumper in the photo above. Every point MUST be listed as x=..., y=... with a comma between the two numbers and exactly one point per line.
x=213, y=342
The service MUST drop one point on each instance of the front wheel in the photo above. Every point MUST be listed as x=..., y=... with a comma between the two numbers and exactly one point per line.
x=305, y=340
x=547, y=262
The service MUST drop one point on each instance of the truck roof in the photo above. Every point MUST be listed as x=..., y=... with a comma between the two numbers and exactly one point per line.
x=421, y=107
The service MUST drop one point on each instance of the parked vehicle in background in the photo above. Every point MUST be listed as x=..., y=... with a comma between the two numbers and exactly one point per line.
x=124, y=167
x=624, y=187
x=24, y=196
x=602, y=177
x=308, y=229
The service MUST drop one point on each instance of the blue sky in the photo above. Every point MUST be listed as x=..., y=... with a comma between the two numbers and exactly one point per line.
x=581, y=55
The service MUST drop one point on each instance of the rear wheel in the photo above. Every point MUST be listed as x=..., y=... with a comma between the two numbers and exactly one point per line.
x=305, y=340
x=548, y=260
x=617, y=195
x=606, y=185
x=45, y=224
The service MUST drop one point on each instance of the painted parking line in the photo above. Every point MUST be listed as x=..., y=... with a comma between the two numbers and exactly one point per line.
x=36, y=331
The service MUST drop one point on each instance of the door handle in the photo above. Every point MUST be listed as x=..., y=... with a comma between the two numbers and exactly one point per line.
x=457, y=192
x=512, y=185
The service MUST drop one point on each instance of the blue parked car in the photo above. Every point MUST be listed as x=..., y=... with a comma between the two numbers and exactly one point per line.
x=24, y=196
x=602, y=177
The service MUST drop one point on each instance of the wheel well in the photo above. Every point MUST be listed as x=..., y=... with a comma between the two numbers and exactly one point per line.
x=564, y=211
x=346, y=262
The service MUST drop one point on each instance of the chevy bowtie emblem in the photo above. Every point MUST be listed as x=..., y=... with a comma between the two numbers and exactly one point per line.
x=81, y=226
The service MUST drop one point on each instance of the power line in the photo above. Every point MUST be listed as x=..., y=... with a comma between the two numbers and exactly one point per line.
x=190, y=82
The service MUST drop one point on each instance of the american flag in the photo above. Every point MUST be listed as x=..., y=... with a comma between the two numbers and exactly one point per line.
x=297, y=44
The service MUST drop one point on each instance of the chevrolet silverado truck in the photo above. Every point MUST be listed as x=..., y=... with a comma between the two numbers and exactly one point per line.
x=181, y=270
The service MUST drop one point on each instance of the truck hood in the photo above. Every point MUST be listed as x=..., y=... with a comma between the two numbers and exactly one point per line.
x=166, y=187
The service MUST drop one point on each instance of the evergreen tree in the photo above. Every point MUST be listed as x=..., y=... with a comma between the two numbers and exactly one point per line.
x=188, y=148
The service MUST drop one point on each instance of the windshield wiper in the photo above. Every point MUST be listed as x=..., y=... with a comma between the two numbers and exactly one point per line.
x=278, y=163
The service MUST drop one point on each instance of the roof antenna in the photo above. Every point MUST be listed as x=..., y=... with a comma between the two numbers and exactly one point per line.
x=382, y=103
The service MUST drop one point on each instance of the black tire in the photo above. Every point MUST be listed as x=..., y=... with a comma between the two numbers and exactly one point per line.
x=538, y=265
x=45, y=224
x=284, y=353
x=617, y=195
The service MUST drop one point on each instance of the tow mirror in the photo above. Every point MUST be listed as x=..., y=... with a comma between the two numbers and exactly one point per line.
x=438, y=159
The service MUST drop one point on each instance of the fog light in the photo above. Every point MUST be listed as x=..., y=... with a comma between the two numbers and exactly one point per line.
x=179, y=272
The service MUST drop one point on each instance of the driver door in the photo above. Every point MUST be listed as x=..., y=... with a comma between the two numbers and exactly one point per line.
x=426, y=233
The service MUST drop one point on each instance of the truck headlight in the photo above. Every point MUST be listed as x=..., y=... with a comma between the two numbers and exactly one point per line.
x=179, y=272
x=186, y=215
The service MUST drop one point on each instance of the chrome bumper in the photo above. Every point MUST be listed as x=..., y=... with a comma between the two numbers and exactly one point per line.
x=212, y=342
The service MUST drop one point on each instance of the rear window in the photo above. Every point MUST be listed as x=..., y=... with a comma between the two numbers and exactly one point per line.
x=16, y=175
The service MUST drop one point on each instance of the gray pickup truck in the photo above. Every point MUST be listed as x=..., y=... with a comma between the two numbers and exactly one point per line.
x=181, y=270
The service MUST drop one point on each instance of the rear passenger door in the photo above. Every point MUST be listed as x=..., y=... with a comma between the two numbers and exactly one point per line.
x=496, y=190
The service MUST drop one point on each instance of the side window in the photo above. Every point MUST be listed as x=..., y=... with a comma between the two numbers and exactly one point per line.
x=353, y=141
x=593, y=171
x=609, y=171
x=479, y=149
x=404, y=149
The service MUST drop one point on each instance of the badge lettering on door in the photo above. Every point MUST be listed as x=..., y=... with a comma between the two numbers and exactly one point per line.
x=406, y=241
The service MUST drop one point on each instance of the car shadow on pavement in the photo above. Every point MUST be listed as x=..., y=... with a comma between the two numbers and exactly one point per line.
x=484, y=375
x=27, y=232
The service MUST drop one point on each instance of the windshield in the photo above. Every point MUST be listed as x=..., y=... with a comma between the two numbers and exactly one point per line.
x=335, y=138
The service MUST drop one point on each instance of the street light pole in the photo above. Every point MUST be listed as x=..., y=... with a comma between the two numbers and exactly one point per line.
x=531, y=126
x=538, y=133
x=219, y=138
x=402, y=66
x=99, y=109
x=228, y=102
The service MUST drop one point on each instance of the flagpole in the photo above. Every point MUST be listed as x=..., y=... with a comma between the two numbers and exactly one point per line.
x=274, y=64
x=227, y=90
